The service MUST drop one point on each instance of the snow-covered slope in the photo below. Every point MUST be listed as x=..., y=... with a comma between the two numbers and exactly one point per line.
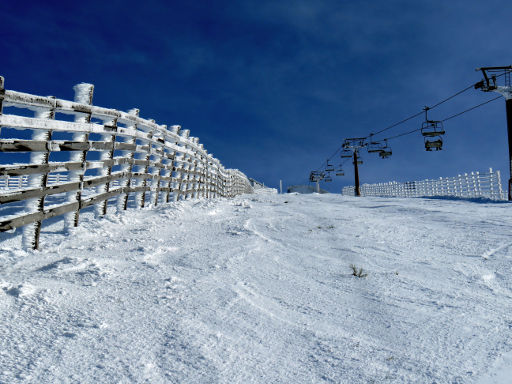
x=258, y=289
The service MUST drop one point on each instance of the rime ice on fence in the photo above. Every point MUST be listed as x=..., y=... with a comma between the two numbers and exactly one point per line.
x=475, y=184
x=131, y=156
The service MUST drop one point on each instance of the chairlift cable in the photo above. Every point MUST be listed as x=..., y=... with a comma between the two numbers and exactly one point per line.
x=329, y=158
x=470, y=109
x=420, y=113
x=403, y=134
x=398, y=123
x=448, y=118
x=452, y=96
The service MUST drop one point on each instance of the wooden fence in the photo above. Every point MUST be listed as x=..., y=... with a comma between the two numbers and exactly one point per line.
x=60, y=157
x=473, y=185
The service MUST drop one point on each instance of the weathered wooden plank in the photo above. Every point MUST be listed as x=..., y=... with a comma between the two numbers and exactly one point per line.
x=94, y=181
x=11, y=145
x=101, y=197
x=27, y=169
x=22, y=145
x=35, y=102
x=38, y=192
x=20, y=221
x=125, y=146
x=22, y=122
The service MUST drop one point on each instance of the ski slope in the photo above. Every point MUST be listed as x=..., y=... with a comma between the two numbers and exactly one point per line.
x=258, y=289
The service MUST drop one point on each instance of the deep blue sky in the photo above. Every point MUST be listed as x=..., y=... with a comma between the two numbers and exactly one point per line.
x=273, y=87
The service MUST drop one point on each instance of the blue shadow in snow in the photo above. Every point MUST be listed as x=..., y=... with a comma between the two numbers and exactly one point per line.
x=478, y=200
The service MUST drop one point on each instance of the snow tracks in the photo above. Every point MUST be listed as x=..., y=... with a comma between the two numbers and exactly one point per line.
x=258, y=289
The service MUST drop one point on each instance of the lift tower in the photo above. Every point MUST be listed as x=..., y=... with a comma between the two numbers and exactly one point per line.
x=490, y=84
x=353, y=145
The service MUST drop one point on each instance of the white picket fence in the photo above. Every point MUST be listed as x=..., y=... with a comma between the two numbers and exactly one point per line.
x=469, y=185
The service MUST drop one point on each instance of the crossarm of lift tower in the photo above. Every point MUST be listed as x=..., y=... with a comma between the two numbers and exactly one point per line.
x=430, y=128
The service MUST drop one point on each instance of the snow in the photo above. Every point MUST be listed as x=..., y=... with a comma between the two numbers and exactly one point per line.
x=258, y=289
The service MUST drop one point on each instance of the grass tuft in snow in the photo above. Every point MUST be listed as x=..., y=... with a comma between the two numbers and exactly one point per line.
x=357, y=272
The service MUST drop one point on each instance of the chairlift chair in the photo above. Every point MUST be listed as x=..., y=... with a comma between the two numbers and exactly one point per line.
x=431, y=128
x=340, y=172
x=328, y=179
x=375, y=146
x=385, y=154
x=315, y=176
x=436, y=144
x=346, y=154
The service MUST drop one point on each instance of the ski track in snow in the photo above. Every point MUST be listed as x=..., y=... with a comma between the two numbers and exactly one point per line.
x=258, y=289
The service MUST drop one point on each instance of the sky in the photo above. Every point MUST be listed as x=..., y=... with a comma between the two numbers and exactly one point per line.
x=274, y=87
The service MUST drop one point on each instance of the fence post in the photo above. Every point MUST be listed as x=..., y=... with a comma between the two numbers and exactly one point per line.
x=106, y=156
x=473, y=182
x=31, y=232
x=122, y=201
x=478, y=184
x=193, y=169
x=158, y=167
x=169, y=167
x=177, y=176
x=202, y=178
x=211, y=170
x=500, y=189
x=184, y=166
x=83, y=95
x=141, y=197
x=211, y=175
x=491, y=184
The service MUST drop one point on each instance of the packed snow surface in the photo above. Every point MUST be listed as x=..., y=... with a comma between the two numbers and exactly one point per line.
x=259, y=289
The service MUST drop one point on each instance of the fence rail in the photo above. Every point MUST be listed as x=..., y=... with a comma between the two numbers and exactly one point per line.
x=53, y=166
x=473, y=185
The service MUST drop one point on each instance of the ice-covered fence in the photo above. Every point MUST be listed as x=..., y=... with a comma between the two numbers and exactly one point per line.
x=474, y=184
x=12, y=183
x=58, y=157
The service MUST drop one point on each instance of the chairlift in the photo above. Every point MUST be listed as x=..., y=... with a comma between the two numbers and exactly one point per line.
x=340, y=172
x=346, y=154
x=316, y=176
x=328, y=179
x=436, y=144
x=431, y=128
x=376, y=146
x=385, y=154
x=329, y=167
x=354, y=142
x=380, y=147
